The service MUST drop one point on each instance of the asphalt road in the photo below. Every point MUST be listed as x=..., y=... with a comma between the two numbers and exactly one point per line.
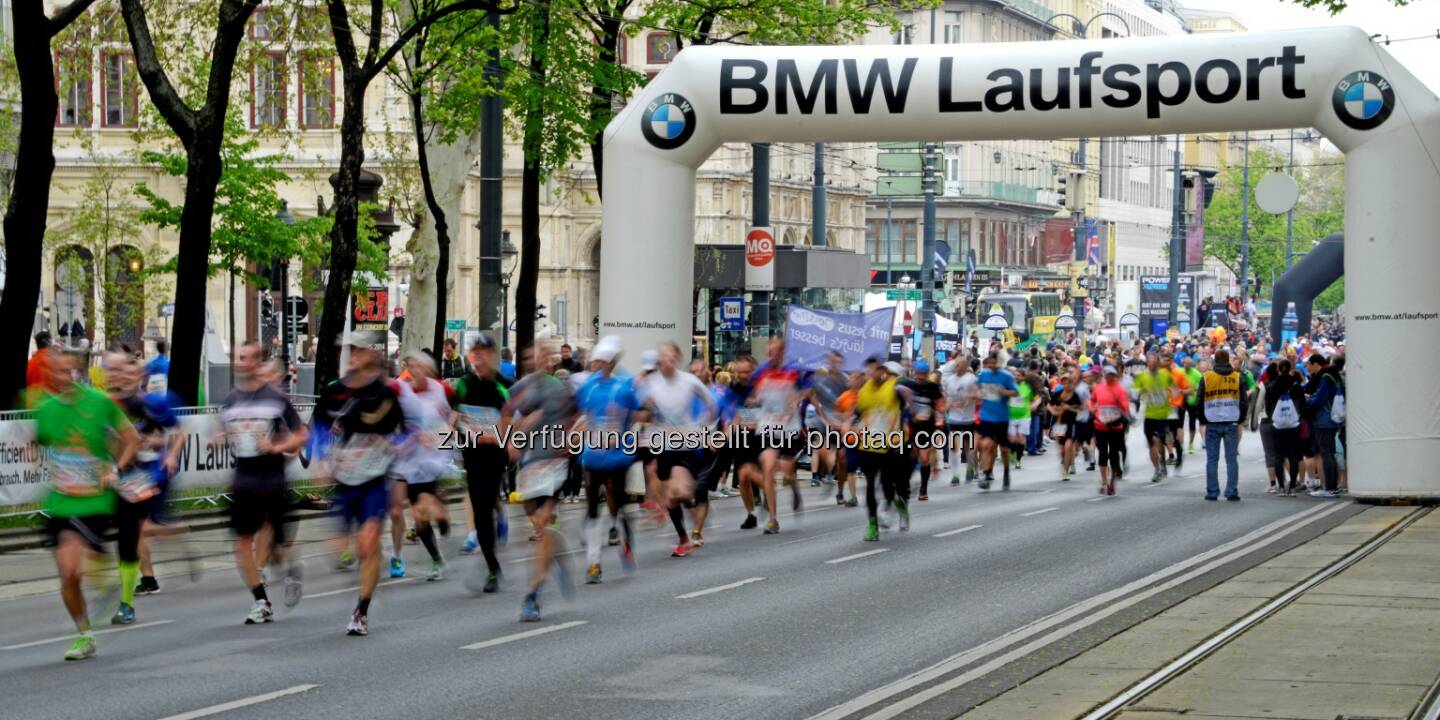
x=791, y=625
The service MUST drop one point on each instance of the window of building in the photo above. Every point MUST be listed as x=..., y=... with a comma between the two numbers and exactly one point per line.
x=119, y=88
x=952, y=27
x=73, y=85
x=267, y=90
x=660, y=47
x=111, y=27
x=266, y=24
x=317, y=94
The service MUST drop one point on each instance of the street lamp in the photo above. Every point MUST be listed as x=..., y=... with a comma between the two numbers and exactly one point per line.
x=284, y=216
x=508, y=254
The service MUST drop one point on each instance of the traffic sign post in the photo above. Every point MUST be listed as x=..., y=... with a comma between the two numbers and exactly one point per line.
x=905, y=295
x=455, y=325
x=732, y=314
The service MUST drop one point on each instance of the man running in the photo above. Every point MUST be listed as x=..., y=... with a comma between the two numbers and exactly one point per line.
x=607, y=402
x=542, y=408
x=1155, y=386
x=744, y=439
x=1110, y=406
x=779, y=390
x=84, y=436
x=479, y=397
x=827, y=387
x=961, y=397
x=880, y=405
x=997, y=387
x=358, y=417
x=927, y=404
x=261, y=427
x=1190, y=408
x=423, y=461
x=678, y=405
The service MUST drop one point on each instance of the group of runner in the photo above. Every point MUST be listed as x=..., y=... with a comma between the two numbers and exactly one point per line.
x=654, y=445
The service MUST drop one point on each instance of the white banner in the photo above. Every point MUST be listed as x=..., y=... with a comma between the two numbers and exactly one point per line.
x=23, y=479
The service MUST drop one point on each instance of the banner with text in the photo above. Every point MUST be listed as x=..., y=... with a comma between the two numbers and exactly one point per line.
x=810, y=335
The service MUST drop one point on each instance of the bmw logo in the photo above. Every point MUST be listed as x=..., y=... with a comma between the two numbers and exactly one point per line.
x=668, y=121
x=1363, y=100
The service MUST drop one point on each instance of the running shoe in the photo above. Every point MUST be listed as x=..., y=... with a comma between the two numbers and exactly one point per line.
x=924, y=498
x=795, y=503
x=749, y=523
x=359, y=625
x=147, y=586
x=410, y=536
x=82, y=649
x=954, y=480
x=986, y=480
x=682, y=550
x=530, y=609
x=437, y=571
x=852, y=502
x=1090, y=467
x=346, y=560
x=492, y=583
x=502, y=529
x=1272, y=490
x=1005, y=483
x=592, y=575
x=697, y=539
x=1179, y=460
x=1233, y=498
x=872, y=532
x=840, y=498
x=772, y=527
x=1110, y=489
x=124, y=615
x=1156, y=477
x=969, y=473
x=614, y=537
x=260, y=613
x=294, y=589
x=884, y=518
x=627, y=559
x=470, y=547
x=903, y=510
x=1103, y=489
x=397, y=567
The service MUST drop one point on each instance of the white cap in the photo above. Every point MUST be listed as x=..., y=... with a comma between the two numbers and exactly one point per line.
x=894, y=368
x=607, y=349
x=649, y=360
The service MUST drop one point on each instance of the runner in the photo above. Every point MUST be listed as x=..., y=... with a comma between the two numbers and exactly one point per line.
x=827, y=386
x=779, y=390
x=608, y=403
x=1110, y=406
x=997, y=388
x=543, y=409
x=261, y=427
x=677, y=405
x=1190, y=408
x=479, y=397
x=744, y=417
x=880, y=405
x=1085, y=379
x=75, y=426
x=1156, y=386
x=358, y=417
x=927, y=404
x=1176, y=438
x=1065, y=406
x=961, y=398
x=1030, y=390
x=423, y=459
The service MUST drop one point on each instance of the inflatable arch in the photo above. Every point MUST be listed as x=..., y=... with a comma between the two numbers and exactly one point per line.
x=1333, y=79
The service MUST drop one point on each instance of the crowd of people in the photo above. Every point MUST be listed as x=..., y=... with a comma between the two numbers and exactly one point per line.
x=649, y=447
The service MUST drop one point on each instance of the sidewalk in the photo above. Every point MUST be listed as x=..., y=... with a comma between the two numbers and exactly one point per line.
x=1360, y=645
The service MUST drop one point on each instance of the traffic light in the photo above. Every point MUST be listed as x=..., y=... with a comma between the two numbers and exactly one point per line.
x=1061, y=190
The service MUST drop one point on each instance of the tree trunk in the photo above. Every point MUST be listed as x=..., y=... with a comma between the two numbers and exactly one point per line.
x=30, y=194
x=344, y=240
x=533, y=142
x=607, y=45
x=202, y=175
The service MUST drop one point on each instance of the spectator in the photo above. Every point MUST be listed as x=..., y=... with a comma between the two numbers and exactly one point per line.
x=507, y=363
x=452, y=364
x=1328, y=391
x=157, y=371
x=1223, y=401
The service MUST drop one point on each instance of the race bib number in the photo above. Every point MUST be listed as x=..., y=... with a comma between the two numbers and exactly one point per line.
x=364, y=458
x=1108, y=414
x=990, y=393
x=747, y=415
x=1059, y=430
x=542, y=478
x=244, y=436
x=137, y=485
x=75, y=474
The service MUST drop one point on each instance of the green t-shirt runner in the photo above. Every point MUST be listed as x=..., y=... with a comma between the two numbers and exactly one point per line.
x=1020, y=404
x=77, y=429
x=1155, y=388
x=1194, y=376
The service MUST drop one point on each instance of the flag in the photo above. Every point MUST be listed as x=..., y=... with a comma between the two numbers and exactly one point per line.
x=1092, y=242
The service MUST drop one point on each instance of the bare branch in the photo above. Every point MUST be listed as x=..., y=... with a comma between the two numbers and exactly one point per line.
x=66, y=15
x=374, y=68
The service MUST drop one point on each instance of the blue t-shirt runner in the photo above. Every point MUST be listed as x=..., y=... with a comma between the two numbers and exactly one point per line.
x=994, y=406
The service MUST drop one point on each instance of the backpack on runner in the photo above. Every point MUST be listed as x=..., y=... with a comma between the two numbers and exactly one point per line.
x=1286, y=416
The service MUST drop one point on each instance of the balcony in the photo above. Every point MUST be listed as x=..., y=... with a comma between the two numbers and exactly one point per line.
x=1004, y=192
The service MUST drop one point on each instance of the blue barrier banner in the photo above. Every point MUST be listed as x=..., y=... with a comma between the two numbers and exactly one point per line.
x=810, y=335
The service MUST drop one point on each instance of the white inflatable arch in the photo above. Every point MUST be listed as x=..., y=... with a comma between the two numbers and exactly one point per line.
x=1333, y=79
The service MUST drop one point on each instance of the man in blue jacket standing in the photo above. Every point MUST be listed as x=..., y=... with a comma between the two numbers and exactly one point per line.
x=1328, y=388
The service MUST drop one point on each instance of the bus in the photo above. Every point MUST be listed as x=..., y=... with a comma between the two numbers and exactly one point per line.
x=1031, y=315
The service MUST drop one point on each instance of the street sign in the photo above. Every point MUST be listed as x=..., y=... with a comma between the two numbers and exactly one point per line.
x=760, y=259
x=455, y=325
x=167, y=310
x=900, y=162
x=732, y=314
x=915, y=295
x=995, y=319
x=296, y=307
x=895, y=185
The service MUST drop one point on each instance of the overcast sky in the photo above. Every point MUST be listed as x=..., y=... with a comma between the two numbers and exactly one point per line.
x=1421, y=17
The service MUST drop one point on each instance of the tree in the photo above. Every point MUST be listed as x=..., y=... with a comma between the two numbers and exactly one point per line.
x=1335, y=7
x=200, y=128
x=1319, y=212
x=29, y=200
x=357, y=72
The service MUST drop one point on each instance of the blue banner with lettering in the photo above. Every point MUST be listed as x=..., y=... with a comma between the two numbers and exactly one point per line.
x=810, y=335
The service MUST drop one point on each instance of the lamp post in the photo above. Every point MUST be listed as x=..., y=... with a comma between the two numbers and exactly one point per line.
x=505, y=262
x=283, y=287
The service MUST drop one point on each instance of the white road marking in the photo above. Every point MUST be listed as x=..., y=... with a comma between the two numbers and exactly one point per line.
x=718, y=588
x=1039, y=512
x=1098, y=499
x=524, y=635
x=1090, y=611
x=237, y=704
x=343, y=591
x=948, y=533
x=856, y=556
x=72, y=636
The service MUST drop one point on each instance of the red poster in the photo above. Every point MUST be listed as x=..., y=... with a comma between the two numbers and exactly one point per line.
x=1059, y=240
x=372, y=307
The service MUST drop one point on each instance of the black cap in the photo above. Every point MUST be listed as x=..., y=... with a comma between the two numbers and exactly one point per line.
x=484, y=342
